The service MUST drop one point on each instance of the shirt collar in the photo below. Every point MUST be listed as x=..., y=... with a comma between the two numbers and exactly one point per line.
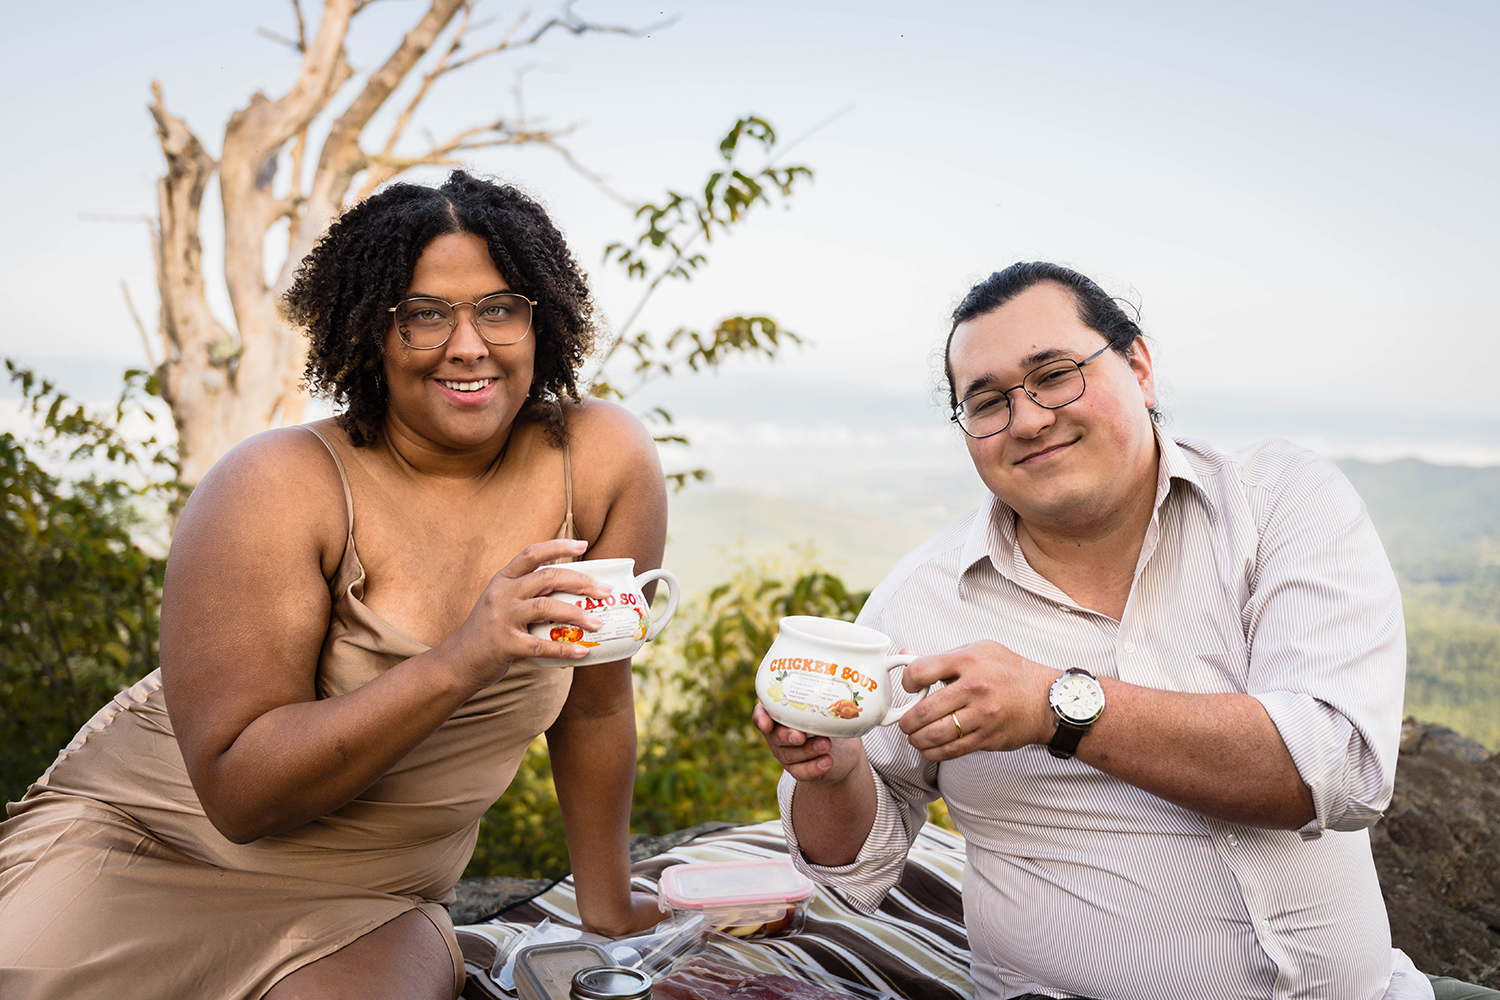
x=992, y=532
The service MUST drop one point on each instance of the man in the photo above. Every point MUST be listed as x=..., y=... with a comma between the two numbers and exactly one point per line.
x=1183, y=811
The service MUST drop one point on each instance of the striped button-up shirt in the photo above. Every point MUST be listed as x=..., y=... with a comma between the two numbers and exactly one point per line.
x=1260, y=573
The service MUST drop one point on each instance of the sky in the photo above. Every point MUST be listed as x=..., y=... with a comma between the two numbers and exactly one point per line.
x=1300, y=197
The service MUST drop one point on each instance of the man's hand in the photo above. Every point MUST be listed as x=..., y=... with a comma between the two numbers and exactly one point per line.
x=805, y=757
x=833, y=807
x=991, y=699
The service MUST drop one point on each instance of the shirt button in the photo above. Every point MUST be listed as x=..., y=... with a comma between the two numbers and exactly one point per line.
x=1130, y=647
x=1231, y=841
x=1265, y=923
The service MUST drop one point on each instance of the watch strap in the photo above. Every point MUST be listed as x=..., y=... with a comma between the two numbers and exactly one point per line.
x=1065, y=740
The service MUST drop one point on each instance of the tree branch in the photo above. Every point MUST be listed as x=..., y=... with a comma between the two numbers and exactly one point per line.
x=186, y=321
x=341, y=157
x=141, y=327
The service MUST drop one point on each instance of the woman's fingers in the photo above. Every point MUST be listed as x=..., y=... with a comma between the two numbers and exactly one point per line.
x=539, y=554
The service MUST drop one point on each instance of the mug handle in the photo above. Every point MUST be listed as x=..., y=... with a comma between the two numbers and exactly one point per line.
x=894, y=713
x=674, y=593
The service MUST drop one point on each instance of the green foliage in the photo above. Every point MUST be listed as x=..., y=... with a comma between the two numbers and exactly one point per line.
x=82, y=597
x=1453, y=668
x=664, y=249
x=1441, y=527
x=700, y=756
x=728, y=194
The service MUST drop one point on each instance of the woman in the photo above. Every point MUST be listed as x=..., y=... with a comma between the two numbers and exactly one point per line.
x=283, y=809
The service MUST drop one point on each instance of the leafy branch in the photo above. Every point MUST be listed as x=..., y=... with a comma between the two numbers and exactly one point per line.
x=82, y=597
x=665, y=249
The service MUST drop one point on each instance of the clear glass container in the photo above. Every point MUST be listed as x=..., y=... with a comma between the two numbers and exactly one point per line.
x=743, y=898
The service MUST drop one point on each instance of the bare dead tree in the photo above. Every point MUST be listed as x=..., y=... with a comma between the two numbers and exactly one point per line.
x=223, y=384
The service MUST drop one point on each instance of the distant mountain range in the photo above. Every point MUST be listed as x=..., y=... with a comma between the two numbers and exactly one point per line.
x=1424, y=513
x=1423, y=510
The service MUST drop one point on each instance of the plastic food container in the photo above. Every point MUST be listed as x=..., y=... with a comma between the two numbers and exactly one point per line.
x=743, y=898
x=545, y=971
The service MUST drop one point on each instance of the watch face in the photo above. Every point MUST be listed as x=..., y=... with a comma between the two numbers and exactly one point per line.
x=1077, y=698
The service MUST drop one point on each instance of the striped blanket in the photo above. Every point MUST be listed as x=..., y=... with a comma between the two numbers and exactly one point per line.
x=914, y=946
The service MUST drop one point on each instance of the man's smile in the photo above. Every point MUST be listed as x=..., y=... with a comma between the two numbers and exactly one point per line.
x=1042, y=454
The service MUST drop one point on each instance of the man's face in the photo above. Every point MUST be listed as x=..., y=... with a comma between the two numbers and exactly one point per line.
x=1072, y=469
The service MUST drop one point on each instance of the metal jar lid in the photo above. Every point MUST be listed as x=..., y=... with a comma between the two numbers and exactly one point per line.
x=610, y=982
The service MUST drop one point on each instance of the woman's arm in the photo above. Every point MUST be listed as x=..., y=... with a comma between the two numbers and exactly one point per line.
x=622, y=505
x=245, y=611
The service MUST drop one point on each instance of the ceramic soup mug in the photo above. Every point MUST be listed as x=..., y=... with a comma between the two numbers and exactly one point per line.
x=626, y=617
x=828, y=677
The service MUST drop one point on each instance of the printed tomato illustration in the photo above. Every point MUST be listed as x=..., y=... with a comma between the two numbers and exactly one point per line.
x=640, y=626
x=565, y=633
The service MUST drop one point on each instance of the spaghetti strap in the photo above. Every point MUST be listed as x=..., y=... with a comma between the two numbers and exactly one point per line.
x=567, y=531
x=344, y=476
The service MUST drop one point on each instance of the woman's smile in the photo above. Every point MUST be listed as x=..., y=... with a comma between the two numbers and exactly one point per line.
x=467, y=387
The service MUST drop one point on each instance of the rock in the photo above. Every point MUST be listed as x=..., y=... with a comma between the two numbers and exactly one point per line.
x=1438, y=855
x=482, y=898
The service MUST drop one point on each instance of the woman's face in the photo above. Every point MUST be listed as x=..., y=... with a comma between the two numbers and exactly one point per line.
x=466, y=393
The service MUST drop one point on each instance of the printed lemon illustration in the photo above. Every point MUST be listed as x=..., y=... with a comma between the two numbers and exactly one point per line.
x=773, y=689
x=640, y=626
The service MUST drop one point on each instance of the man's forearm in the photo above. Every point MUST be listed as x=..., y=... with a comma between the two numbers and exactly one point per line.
x=1219, y=755
x=833, y=821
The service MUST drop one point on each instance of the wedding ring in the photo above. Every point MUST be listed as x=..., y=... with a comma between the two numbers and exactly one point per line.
x=954, y=717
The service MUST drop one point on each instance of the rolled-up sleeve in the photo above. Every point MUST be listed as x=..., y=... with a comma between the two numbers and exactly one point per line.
x=905, y=782
x=865, y=881
x=1327, y=638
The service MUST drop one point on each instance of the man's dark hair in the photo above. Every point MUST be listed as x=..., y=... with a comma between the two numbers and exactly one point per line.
x=1097, y=310
x=363, y=265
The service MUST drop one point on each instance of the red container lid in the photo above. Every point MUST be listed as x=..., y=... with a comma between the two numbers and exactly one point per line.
x=732, y=883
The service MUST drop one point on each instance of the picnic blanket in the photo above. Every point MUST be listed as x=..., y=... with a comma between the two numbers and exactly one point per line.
x=913, y=946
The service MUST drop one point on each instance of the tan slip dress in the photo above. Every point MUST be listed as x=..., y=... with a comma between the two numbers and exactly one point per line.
x=114, y=885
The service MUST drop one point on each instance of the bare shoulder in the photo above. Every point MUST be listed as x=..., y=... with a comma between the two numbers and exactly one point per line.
x=617, y=480
x=282, y=481
x=600, y=423
x=607, y=438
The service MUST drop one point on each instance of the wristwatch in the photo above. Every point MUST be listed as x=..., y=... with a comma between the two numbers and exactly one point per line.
x=1078, y=701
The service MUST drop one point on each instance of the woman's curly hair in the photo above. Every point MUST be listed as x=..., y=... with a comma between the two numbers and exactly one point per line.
x=363, y=265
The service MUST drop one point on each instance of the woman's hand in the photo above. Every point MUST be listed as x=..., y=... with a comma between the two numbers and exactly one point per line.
x=496, y=633
x=644, y=913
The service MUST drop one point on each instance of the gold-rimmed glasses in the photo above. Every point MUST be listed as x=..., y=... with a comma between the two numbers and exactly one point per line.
x=425, y=323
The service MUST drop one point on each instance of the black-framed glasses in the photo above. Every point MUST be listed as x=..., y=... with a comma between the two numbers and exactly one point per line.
x=1051, y=386
x=426, y=323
